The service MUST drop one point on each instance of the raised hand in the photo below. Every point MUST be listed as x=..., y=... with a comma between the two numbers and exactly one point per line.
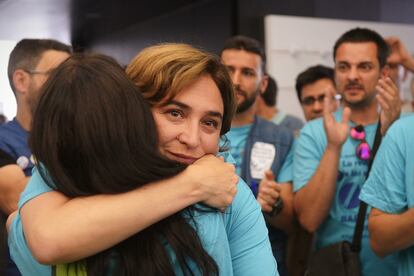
x=389, y=99
x=399, y=54
x=336, y=132
x=215, y=181
x=269, y=192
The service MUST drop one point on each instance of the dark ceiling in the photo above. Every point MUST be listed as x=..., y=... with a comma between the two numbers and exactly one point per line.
x=77, y=21
x=91, y=19
x=82, y=22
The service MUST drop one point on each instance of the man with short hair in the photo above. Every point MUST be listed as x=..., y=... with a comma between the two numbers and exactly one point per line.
x=30, y=63
x=267, y=108
x=329, y=170
x=259, y=146
x=312, y=85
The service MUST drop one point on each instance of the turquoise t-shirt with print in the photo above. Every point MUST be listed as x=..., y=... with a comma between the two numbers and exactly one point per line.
x=390, y=186
x=237, y=240
x=340, y=222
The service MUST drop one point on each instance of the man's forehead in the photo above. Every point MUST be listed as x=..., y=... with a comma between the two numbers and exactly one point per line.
x=356, y=52
x=241, y=58
x=317, y=88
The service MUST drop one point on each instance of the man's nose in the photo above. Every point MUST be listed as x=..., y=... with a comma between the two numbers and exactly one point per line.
x=235, y=77
x=353, y=74
x=317, y=106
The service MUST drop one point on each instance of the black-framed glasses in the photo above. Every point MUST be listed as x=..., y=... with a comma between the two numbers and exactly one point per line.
x=363, y=151
x=310, y=100
x=36, y=72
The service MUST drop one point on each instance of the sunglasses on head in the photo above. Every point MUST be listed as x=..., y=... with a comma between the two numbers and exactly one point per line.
x=363, y=150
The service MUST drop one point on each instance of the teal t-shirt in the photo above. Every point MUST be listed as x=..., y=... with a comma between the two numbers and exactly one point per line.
x=390, y=186
x=286, y=172
x=237, y=240
x=238, y=137
x=340, y=222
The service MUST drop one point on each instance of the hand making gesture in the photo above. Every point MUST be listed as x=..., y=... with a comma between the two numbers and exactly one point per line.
x=389, y=100
x=269, y=192
x=336, y=132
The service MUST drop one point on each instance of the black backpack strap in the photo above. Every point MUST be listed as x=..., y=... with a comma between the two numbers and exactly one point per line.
x=359, y=227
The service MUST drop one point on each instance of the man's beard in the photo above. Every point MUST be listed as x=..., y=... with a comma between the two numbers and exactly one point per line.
x=362, y=103
x=247, y=103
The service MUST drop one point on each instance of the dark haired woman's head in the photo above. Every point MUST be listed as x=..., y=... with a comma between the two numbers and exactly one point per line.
x=93, y=131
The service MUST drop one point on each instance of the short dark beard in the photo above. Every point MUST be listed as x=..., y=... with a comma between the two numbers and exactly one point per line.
x=360, y=104
x=247, y=103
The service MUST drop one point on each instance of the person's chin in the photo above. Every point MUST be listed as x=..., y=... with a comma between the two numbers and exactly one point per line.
x=316, y=116
x=354, y=97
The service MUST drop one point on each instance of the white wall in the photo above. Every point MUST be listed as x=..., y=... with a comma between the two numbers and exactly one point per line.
x=7, y=99
x=295, y=43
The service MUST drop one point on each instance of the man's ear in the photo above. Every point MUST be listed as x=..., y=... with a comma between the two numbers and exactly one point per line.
x=263, y=84
x=21, y=81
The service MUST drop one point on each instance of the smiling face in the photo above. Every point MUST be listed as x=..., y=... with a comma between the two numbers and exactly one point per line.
x=357, y=71
x=189, y=125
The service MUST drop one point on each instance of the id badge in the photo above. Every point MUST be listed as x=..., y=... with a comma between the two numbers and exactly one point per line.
x=262, y=157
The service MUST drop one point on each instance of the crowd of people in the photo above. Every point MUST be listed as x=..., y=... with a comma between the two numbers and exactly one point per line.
x=183, y=164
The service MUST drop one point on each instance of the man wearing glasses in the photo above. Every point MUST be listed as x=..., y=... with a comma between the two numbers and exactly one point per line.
x=332, y=154
x=312, y=85
x=30, y=64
